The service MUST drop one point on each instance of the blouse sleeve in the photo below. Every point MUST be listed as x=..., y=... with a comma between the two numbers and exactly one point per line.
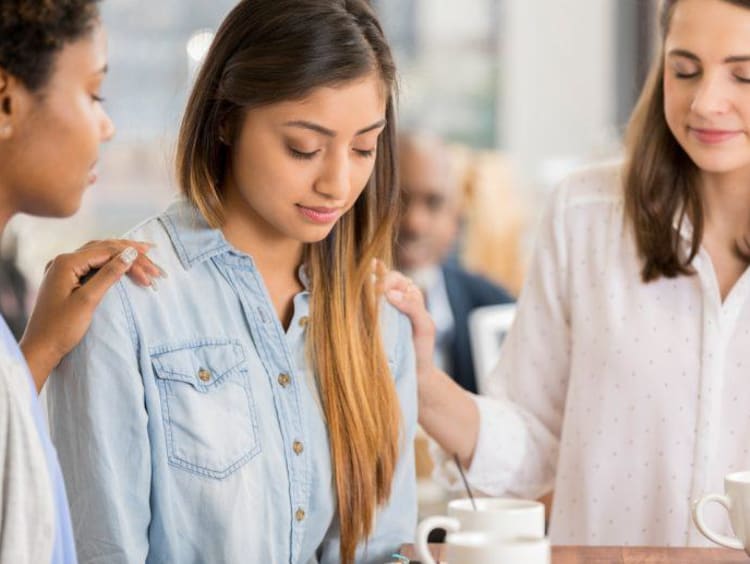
x=521, y=413
x=26, y=502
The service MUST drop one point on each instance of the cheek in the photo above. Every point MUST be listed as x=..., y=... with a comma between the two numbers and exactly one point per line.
x=78, y=130
x=360, y=177
x=743, y=106
x=447, y=226
x=255, y=170
x=676, y=105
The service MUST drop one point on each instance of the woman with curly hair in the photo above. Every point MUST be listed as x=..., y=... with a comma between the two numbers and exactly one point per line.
x=52, y=63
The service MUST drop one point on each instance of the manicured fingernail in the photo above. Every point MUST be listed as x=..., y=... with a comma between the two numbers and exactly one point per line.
x=162, y=272
x=154, y=286
x=129, y=255
x=396, y=295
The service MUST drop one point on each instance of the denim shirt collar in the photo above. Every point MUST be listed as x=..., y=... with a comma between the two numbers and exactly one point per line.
x=196, y=242
x=193, y=239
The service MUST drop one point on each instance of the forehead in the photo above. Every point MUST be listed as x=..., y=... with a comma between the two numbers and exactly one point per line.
x=427, y=168
x=344, y=108
x=709, y=28
x=82, y=58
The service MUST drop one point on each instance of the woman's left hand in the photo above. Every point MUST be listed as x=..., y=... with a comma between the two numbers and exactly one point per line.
x=73, y=285
x=405, y=296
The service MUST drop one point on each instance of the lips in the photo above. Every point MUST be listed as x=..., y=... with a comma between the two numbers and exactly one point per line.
x=93, y=173
x=321, y=215
x=713, y=136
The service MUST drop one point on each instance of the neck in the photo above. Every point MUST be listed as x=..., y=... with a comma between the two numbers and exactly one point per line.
x=7, y=207
x=274, y=255
x=726, y=200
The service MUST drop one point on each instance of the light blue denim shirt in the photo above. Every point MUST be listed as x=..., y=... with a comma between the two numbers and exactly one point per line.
x=188, y=425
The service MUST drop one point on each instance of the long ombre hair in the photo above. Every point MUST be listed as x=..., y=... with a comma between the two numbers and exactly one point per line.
x=268, y=51
x=661, y=181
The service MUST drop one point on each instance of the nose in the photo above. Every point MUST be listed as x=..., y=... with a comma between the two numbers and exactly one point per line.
x=711, y=96
x=413, y=218
x=334, y=181
x=106, y=127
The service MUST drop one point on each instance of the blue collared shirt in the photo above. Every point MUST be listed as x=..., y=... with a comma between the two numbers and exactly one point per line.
x=63, y=549
x=189, y=426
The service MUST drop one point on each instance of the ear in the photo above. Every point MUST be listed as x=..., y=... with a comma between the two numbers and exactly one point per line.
x=230, y=127
x=6, y=128
x=14, y=102
x=225, y=136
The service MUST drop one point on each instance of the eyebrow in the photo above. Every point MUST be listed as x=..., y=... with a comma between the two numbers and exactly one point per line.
x=329, y=132
x=693, y=57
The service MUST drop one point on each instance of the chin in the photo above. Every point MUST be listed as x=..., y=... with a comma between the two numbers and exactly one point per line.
x=313, y=236
x=64, y=208
x=720, y=165
x=411, y=259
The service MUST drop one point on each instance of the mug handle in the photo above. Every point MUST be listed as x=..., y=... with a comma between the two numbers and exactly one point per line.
x=425, y=528
x=723, y=540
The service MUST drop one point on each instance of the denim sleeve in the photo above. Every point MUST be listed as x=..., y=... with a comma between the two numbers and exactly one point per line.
x=397, y=520
x=98, y=423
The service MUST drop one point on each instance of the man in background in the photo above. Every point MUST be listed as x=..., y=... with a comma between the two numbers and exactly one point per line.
x=425, y=251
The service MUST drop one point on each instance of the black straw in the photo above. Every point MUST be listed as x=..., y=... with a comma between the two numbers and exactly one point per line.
x=466, y=483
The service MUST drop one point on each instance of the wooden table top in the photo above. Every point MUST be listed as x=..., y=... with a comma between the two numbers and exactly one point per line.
x=627, y=555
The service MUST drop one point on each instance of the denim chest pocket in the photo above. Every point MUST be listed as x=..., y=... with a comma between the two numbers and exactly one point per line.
x=207, y=407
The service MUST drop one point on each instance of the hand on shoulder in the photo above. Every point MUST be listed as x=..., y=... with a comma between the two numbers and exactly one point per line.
x=74, y=284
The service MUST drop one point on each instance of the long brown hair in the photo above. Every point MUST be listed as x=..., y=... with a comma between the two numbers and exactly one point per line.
x=661, y=181
x=268, y=51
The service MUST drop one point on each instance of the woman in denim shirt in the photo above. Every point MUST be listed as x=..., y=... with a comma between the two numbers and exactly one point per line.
x=260, y=405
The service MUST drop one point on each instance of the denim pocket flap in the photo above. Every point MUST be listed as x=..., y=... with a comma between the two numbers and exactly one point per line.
x=202, y=365
x=207, y=406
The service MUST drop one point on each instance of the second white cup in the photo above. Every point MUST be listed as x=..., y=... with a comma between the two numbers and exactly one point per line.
x=487, y=548
x=505, y=519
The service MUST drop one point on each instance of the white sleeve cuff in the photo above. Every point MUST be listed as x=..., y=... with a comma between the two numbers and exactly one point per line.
x=498, y=454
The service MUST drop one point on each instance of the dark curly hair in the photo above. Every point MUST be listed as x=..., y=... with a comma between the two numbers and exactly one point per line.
x=32, y=32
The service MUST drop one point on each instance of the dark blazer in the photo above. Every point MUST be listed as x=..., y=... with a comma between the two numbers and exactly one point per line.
x=467, y=291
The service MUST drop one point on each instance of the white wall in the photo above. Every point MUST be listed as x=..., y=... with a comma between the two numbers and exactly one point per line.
x=557, y=72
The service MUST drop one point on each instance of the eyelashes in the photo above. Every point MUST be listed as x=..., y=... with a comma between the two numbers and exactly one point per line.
x=306, y=156
x=685, y=75
x=688, y=76
x=301, y=154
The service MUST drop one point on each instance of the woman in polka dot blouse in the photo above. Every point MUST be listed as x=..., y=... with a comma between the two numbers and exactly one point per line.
x=623, y=385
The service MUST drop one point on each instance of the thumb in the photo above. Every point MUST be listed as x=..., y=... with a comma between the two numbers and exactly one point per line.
x=93, y=291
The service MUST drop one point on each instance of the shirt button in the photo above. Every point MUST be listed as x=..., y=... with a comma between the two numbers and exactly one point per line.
x=284, y=380
x=204, y=375
x=303, y=321
x=299, y=514
x=297, y=447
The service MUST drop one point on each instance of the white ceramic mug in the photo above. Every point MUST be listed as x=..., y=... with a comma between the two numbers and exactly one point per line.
x=504, y=519
x=737, y=503
x=477, y=547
